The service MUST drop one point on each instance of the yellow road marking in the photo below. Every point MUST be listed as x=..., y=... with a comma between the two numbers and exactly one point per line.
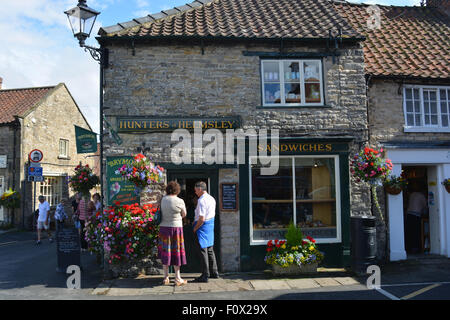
x=416, y=293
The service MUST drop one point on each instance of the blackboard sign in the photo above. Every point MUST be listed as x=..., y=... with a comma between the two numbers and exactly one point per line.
x=229, y=197
x=67, y=248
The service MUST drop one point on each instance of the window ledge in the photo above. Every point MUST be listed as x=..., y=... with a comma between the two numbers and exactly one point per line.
x=426, y=129
x=63, y=157
x=292, y=107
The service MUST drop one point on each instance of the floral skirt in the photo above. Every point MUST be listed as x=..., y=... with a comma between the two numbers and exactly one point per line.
x=171, y=246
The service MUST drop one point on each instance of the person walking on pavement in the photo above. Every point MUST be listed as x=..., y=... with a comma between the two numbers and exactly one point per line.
x=204, y=232
x=171, y=249
x=43, y=219
x=60, y=215
x=84, y=212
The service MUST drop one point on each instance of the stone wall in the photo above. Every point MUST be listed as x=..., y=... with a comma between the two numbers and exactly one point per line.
x=53, y=119
x=176, y=79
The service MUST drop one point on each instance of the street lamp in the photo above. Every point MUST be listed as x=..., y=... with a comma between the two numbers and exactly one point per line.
x=82, y=19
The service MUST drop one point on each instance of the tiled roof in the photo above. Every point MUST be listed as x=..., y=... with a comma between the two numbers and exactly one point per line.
x=239, y=18
x=15, y=102
x=411, y=41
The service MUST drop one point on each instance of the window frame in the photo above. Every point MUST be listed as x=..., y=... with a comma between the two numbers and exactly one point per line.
x=338, y=238
x=66, y=148
x=424, y=127
x=302, y=84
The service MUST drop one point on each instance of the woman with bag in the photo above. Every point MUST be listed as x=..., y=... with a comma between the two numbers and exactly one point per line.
x=171, y=241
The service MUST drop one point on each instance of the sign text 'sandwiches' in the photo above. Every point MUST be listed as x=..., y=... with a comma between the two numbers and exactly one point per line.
x=298, y=147
x=142, y=124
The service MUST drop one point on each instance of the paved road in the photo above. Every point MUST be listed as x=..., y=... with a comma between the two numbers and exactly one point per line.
x=28, y=271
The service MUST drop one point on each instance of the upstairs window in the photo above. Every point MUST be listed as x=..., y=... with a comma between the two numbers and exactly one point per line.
x=426, y=109
x=292, y=83
x=63, y=148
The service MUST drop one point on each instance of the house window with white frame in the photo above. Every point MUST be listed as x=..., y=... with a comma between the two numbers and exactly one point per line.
x=426, y=109
x=305, y=191
x=292, y=83
x=63, y=148
x=51, y=189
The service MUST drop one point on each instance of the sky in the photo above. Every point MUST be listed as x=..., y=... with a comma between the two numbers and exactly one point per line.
x=37, y=47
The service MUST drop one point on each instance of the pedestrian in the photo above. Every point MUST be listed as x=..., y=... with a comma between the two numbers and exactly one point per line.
x=204, y=231
x=417, y=206
x=43, y=219
x=84, y=212
x=171, y=240
x=98, y=205
x=60, y=215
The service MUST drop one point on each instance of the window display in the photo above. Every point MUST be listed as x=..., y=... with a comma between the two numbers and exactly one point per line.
x=303, y=191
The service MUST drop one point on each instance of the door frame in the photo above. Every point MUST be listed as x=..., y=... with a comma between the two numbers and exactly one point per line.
x=202, y=171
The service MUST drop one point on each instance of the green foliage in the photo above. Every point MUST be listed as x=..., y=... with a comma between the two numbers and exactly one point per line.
x=294, y=235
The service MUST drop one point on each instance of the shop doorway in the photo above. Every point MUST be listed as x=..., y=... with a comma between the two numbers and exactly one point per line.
x=187, y=180
x=421, y=233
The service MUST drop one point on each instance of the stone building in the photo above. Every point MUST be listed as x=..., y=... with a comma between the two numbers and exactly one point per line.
x=292, y=66
x=407, y=67
x=40, y=118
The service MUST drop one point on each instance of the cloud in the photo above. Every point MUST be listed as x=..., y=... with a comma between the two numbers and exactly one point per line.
x=38, y=49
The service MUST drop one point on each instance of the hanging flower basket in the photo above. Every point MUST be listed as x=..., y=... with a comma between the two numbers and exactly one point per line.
x=83, y=180
x=394, y=185
x=10, y=199
x=446, y=184
x=142, y=172
x=369, y=166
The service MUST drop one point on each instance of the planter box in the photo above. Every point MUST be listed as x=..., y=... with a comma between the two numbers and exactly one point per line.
x=294, y=269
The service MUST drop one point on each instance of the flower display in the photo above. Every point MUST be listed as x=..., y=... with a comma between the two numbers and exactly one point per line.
x=84, y=179
x=127, y=232
x=142, y=172
x=446, y=182
x=293, y=251
x=369, y=166
x=10, y=199
x=395, y=184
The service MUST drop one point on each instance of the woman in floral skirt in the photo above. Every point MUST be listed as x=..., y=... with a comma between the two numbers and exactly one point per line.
x=171, y=241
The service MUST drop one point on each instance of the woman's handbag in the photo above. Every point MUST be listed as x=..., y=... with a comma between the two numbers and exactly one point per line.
x=158, y=216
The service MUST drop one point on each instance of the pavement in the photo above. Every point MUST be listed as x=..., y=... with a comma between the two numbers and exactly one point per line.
x=28, y=271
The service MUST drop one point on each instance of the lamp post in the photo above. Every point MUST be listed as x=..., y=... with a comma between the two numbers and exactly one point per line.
x=82, y=19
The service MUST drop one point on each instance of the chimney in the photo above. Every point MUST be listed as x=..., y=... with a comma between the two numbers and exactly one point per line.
x=442, y=5
x=1, y=82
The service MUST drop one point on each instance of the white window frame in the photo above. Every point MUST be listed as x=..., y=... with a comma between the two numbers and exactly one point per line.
x=49, y=190
x=66, y=149
x=338, y=238
x=302, y=84
x=424, y=127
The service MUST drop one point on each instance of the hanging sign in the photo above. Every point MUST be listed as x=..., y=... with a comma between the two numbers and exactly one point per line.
x=119, y=189
x=86, y=140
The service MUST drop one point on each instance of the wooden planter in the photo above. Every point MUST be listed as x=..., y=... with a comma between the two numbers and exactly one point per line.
x=392, y=190
x=294, y=269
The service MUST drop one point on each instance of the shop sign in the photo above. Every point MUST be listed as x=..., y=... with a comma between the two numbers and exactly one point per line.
x=151, y=124
x=294, y=147
x=119, y=189
x=86, y=140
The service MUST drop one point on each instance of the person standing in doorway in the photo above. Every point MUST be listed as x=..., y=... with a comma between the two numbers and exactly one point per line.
x=43, y=219
x=417, y=205
x=204, y=232
x=171, y=240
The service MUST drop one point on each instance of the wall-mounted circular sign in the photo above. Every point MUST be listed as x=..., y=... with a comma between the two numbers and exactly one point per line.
x=36, y=155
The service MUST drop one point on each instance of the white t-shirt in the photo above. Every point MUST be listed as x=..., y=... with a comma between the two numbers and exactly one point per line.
x=43, y=209
x=206, y=207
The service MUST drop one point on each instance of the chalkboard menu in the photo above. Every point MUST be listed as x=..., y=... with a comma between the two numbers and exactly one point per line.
x=67, y=248
x=229, y=197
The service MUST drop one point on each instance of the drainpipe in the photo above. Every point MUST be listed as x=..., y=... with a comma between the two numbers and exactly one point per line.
x=16, y=127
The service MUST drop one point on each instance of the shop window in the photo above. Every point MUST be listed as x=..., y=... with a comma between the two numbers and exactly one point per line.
x=51, y=189
x=426, y=109
x=305, y=191
x=63, y=148
x=292, y=82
